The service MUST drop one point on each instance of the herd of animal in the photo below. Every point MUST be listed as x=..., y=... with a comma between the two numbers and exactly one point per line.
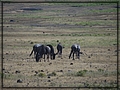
x=41, y=50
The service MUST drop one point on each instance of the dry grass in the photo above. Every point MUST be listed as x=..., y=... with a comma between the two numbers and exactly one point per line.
x=97, y=44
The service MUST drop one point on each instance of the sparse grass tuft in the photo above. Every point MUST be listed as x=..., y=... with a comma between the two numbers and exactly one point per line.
x=81, y=73
x=41, y=75
x=52, y=74
x=100, y=70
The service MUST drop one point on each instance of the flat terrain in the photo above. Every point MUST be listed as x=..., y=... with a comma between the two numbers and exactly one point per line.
x=92, y=25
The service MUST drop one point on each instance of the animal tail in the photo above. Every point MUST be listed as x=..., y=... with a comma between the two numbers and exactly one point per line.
x=31, y=53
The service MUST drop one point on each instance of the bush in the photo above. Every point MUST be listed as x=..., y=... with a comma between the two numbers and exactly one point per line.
x=54, y=74
x=100, y=70
x=41, y=75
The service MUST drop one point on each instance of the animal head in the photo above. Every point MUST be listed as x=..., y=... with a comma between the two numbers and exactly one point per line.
x=54, y=56
x=38, y=57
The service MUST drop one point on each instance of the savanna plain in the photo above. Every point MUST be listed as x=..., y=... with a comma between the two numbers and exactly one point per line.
x=91, y=25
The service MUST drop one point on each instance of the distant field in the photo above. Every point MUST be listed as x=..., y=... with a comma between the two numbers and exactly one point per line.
x=92, y=25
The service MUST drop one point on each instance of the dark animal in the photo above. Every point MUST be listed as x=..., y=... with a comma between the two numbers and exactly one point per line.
x=75, y=49
x=41, y=50
x=35, y=49
x=52, y=53
x=59, y=50
x=45, y=50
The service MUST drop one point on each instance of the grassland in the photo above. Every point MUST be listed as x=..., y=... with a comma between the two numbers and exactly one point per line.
x=92, y=25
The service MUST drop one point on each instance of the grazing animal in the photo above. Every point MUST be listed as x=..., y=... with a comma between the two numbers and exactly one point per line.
x=48, y=51
x=75, y=49
x=59, y=50
x=52, y=54
x=41, y=50
x=35, y=49
x=45, y=50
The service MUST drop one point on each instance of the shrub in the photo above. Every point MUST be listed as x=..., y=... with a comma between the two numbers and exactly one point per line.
x=100, y=70
x=81, y=73
x=41, y=75
x=52, y=74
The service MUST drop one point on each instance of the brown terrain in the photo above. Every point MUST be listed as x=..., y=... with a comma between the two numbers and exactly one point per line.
x=92, y=25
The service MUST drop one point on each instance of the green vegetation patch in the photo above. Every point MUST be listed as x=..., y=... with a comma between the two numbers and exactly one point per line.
x=96, y=23
x=41, y=75
x=86, y=73
x=79, y=4
x=81, y=73
x=105, y=10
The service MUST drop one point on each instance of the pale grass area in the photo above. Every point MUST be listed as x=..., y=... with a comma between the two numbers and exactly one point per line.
x=98, y=52
x=18, y=47
x=19, y=59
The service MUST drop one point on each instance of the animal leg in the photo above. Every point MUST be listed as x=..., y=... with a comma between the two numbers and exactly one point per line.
x=37, y=58
x=44, y=60
x=73, y=56
x=51, y=56
x=70, y=53
x=40, y=59
x=79, y=55
x=48, y=57
x=44, y=57
x=76, y=55
x=61, y=56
